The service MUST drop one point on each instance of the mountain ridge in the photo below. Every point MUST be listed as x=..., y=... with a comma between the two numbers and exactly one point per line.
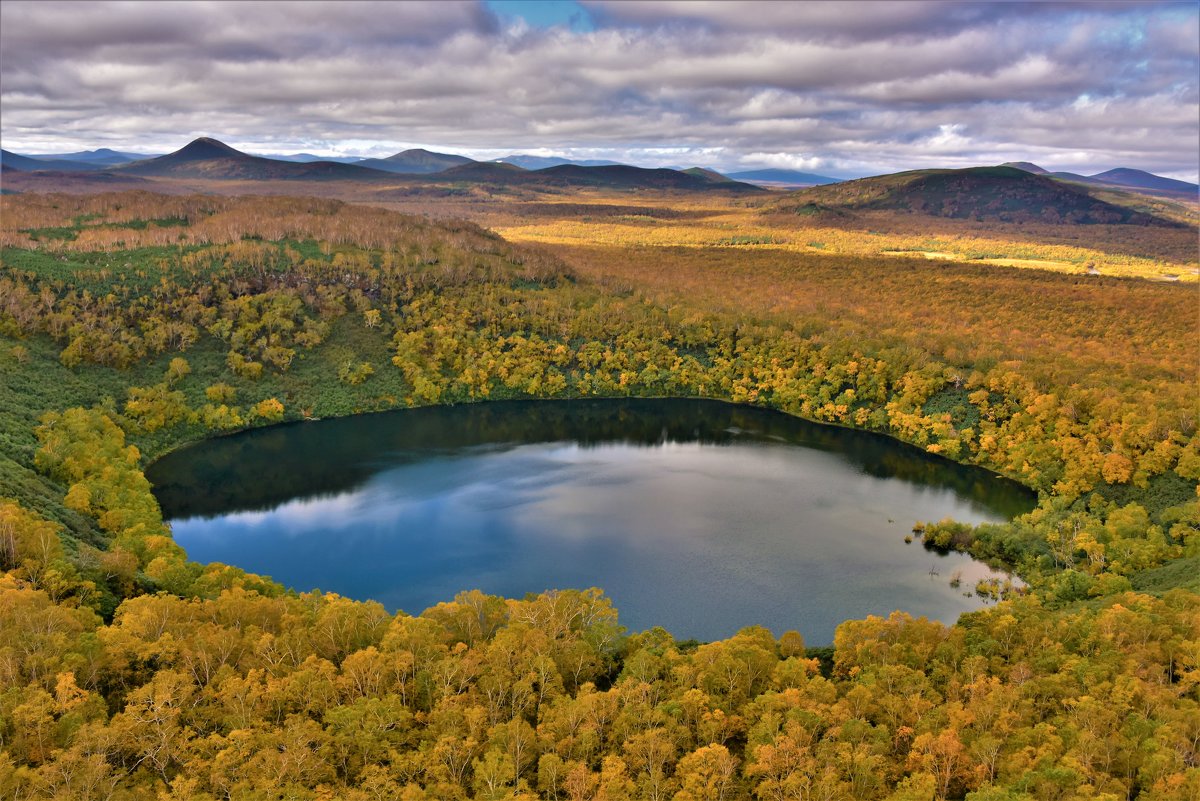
x=211, y=159
x=420, y=161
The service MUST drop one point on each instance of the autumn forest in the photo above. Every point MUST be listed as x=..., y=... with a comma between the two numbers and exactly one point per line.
x=134, y=322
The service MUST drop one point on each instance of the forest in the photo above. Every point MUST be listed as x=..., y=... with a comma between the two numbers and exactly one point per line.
x=132, y=323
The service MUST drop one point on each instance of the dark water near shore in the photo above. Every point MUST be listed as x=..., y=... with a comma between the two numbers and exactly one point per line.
x=698, y=516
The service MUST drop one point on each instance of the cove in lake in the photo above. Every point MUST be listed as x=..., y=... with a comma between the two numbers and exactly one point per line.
x=699, y=516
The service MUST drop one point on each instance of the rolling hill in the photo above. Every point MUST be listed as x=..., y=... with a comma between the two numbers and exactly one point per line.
x=485, y=172
x=712, y=176
x=1001, y=194
x=416, y=162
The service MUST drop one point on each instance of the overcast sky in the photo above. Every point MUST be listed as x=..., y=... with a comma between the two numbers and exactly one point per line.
x=839, y=88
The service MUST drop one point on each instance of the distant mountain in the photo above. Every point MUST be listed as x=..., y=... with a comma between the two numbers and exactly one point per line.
x=1073, y=176
x=612, y=176
x=202, y=149
x=622, y=176
x=1139, y=179
x=29, y=163
x=783, y=178
x=102, y=156
x=1002, y=194
x=1027, y=166
x=543, y=162
x=416, y=162
x=209, y=158
x=1123, y=178
x=306, y=158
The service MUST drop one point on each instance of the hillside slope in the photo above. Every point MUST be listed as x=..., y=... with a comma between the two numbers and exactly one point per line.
x=1002, y=194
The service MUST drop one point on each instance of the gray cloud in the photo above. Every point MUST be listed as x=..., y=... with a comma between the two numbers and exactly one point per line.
x=848, y=88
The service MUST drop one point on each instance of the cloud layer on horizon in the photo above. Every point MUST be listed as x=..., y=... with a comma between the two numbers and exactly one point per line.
x=828, y=87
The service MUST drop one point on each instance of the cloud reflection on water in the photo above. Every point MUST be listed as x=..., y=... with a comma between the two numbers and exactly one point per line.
x=700, y=537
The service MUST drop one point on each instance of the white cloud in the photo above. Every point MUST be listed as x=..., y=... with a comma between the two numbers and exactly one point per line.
x=863, y=88
x=789, y=161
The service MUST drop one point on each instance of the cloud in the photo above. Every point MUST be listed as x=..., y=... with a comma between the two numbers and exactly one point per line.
x=846, y=87
x=809, y=20
x=840, y=21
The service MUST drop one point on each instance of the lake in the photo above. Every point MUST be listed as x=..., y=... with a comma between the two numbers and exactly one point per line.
x=699, y=516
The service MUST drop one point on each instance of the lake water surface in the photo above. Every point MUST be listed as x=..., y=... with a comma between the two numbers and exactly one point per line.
x=698, y=516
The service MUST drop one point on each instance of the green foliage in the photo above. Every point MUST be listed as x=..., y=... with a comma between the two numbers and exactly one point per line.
x=1161, y=492
x=954, y=402
x=1183, y=573
x=352, y=373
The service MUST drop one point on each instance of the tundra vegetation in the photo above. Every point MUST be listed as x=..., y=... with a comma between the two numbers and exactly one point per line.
x=133, y=322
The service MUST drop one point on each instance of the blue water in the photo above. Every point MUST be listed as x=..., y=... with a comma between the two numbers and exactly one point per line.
x=697, y=516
